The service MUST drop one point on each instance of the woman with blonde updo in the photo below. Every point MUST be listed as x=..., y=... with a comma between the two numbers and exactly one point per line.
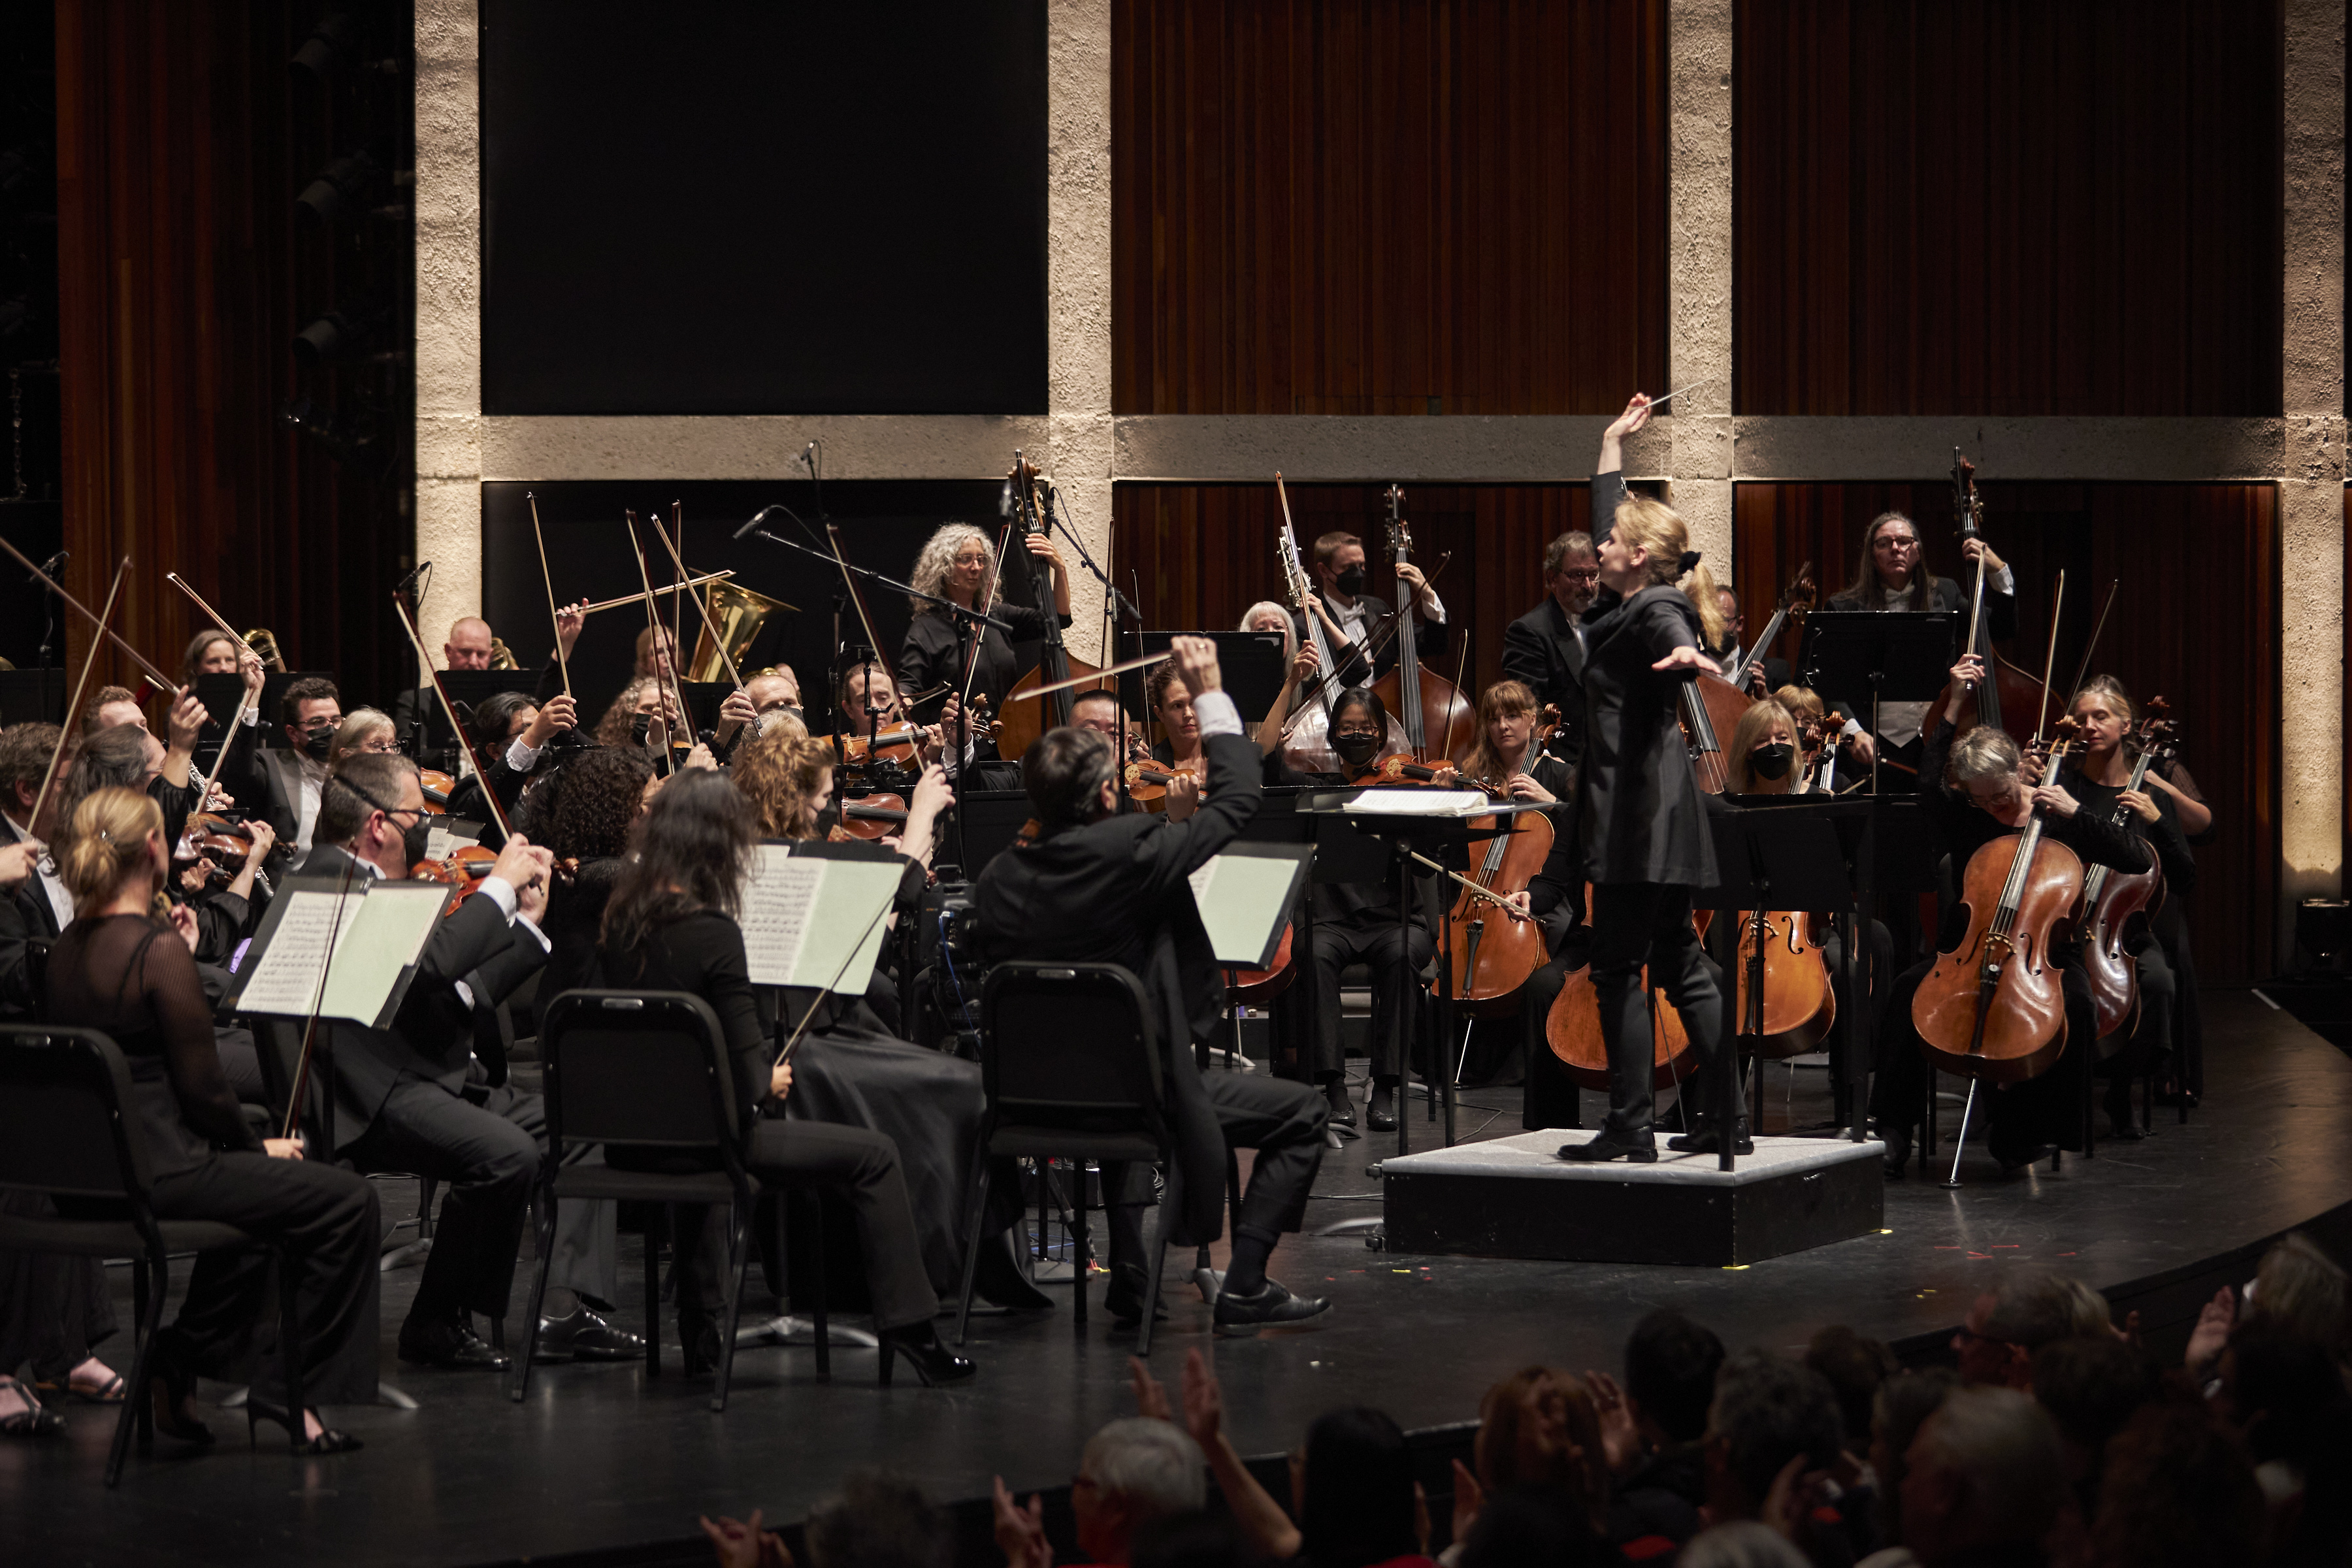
x=124, y=967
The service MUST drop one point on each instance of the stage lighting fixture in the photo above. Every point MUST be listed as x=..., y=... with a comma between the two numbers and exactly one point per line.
x=339, y=190
x=333, y=47
x=328, y=339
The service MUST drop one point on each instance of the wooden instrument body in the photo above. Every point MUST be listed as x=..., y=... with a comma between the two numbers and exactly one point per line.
x=1489, y=954
x=436, y=786
x=876, y=815
x=1799, y=1003
x=2015, y=1028
x=1572, y=1029
x=462, y=869
x=2113, y=899
x=1710, y=709
x=1023, y=721
x=2009, y=703
x=1448, y=719
x=1256, y=984
x=1146, y=783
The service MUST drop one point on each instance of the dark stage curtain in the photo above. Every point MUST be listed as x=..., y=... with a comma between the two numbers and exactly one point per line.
x=182, y=142
x=1965, y=206
x=2196, y=621
x=1203, y=553
x=1388, y=208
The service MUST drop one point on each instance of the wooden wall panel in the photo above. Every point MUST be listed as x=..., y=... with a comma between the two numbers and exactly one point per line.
x=2196, y=621
x=1969, y=207
x=181, y=144
x=1201, y=554
x=1405, y=207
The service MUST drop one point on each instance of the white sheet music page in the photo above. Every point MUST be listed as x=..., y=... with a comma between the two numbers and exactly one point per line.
x=1420, y=803
x=779, y=897
x=287, y=979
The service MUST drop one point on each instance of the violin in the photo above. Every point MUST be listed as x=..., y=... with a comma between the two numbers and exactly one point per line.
x=1148, y=782
x=891, y=744
x=438, y=787
x=1572, y=1029
x=463, y=868
x=2111, y=897
x=1401, y=768
x=1994, y=1007
x=870, y=817
x=1491, y=958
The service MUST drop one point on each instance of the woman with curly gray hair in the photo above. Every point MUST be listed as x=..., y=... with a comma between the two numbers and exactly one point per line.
x=958, y=563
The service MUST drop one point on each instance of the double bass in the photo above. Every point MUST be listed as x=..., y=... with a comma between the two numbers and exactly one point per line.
x=1429, y=705
x=2007, y=694
x=1994, y=1006
x=2111, y=897
x=1022, y=723
x=1306, y=733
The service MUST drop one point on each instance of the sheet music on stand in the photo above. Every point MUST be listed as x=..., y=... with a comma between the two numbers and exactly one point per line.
x=1245, y=896
x=813, y=920
x=349, y=952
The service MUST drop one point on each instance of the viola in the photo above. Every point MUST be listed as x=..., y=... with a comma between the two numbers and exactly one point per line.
x=895, y=742
x=870, y=817
x=463, y=868
x=1490, y=959
x=1440, y=724
x=1572, y=1029
x=1994, y=1007
x=2111, y=897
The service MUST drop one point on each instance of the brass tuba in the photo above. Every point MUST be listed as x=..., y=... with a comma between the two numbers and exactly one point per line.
x=264, y=642
x=740, y=613
x=502, y=655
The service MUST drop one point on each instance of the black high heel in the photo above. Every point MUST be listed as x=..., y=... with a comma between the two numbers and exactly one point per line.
x=698, y=1341
x=933, y=1361
x=169, y=1385
x=328, y=1441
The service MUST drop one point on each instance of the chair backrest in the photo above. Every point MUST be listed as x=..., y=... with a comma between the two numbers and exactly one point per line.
x=638, y=1069
x=1070, y=1045
x=66, y=1124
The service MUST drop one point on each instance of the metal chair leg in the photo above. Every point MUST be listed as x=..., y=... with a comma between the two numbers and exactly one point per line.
x=738, y=1265
x=656, y=1223
x=1079, y=1255
x=289, y=1346
x=1171, y=1204
x=136, y=1408
x=519, y=1381
x=973, y=1213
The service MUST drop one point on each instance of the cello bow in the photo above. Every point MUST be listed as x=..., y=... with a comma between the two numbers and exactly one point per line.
x=449, y=712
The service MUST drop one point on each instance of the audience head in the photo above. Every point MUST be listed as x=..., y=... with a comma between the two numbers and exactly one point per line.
x=1904, y=1404
x=788, y=781
x=1353, y=1491
x=877, y=1521
x=1742, y=1543
x=1072, y=777
x=25, y=752
x=2091, y=1387
x=1855, y=1368
x=469, y=647
x=1985, y=1472
x=1767, y=1410
x=209, y=653
x=1670, y=1366
x=1539, y=1427
x=691, y=852
x=2177, y=1492
x=1198, y=1540
x=1532, y=1528
x=2301, y=1287
x=374, y=806
x=2008, y=1323
x=310, y=710
x=599, y=796
x=1134, y=1472
x=115, y=835
x=2280, y=1393
x=364, y=732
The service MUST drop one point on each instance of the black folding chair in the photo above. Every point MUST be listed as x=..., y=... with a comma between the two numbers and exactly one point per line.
x=1072, y=1069
x=642, y=1070
x=66, y=1131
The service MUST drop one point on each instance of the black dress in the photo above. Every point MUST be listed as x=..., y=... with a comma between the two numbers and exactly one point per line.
x=135, y=979
x=929, y=658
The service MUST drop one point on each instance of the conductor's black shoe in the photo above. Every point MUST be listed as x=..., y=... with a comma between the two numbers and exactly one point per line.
x=1704, y=1140
x=1897, y=1141
x=2012, y=1161
x=1609, y=1143
x=1124, y=1298
x=1343, y=1109
x=585, y=1336
x=1240, y=1315
x=452, y=1345
x=1380, y=1115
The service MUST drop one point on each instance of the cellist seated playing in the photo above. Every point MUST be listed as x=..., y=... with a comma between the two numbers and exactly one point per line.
x=1974, y=790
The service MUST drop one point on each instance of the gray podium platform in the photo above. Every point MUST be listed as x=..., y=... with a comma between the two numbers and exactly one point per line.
x=1514, y=1197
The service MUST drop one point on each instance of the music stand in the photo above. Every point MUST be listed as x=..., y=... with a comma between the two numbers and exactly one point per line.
x=273, y=693
x=1894, y=658
x=1804, y=853
x=1251, y=666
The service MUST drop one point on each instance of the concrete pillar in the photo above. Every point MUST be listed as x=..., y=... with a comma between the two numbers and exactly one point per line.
x=448, y=308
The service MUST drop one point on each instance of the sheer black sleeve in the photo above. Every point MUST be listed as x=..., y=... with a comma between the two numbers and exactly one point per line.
x=174, y=995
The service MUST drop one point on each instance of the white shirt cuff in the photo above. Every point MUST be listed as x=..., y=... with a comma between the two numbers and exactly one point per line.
x=2002, y=581
x=520, y=757
x=249, y=716
x=1436, y=609
x=1852, y=727
x=499, y=891
x=1217, y=714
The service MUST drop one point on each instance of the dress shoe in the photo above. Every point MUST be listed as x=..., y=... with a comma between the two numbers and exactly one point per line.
x=1897, y=1141
x=453, y=1345
x=1239, y=1315
x=2012, y=1161
x=1380, y=1114
x=1343, y=1109
x=1706, y=1139
x=1124, y=1298
x=2123, y=1120
x=585, y=1336
x=328, y=1441
x=1611, y=1143
x=933, y=1361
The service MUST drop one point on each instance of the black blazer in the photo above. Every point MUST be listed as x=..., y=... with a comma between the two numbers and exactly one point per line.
x=431, y=1037
x=1541, y=651
x=1638, y=813
x=1115, y=891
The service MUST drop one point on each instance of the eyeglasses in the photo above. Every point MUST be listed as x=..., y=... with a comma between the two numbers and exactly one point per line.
x=1581, y=574
x=1355, y=734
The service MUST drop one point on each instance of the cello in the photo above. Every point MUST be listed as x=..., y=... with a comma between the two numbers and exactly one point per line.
x=1994, y=1006
x=1489, y=962
x=1426, y=702
x=2111, y=897
x=1572, y=1030
x=1021, y=724
x=1799, y=1001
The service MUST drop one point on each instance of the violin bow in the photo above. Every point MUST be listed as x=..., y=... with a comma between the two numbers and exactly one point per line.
x=317, y=1004
x=652, y=625
x=82, y=683
x=449, y=712
x=245, y=701
x=2096, y=632
x=145, y=669
x=633, y=598
x=547, y=581
x=677, y=654
x=708, y=625
x=983, y=603
x=2048, y=662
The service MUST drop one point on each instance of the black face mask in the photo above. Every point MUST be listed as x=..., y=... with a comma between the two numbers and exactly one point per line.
x=1772, y=761
x=414, y=838
x=1356, y=750
x=1350, y=582
x=317, y=744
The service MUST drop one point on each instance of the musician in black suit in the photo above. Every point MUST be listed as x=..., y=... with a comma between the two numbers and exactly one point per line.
x=403, y=1101
x=1891, y=575
x=283, y=787
x=1544, y=649
x=1363, y=641
x=1098, y=887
